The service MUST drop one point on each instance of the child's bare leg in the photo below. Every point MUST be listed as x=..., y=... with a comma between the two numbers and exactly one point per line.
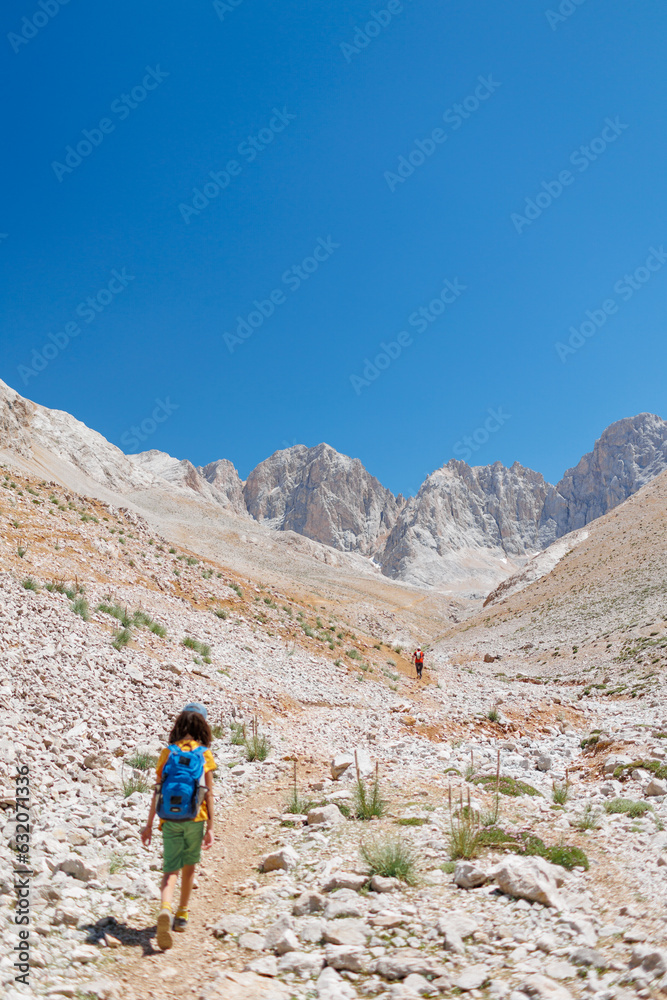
x=168, y=886
x=187, y=878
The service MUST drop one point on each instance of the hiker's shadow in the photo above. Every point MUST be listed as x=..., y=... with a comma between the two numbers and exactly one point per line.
x=131, y=936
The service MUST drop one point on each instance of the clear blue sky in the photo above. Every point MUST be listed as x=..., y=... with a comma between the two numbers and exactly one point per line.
x=331, y=122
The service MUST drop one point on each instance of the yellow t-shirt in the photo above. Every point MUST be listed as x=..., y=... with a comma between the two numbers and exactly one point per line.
x=209, y=765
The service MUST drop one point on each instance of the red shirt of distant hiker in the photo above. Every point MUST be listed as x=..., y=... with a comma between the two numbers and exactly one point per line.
x=418, y=659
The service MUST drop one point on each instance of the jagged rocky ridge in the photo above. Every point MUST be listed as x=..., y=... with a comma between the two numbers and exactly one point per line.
x=465, y=524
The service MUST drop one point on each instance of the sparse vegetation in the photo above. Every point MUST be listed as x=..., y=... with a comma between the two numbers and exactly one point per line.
x=493, y=715
x=627, y=806
x=121, y=638
x=390, y=857
x=136, y=783
x=80, y=607
x=30, y=584
x=560, y=792
x=257, y=747
x=237, y=590
x=141, y=761
x=411, y=821
x=506, y=785
x=221, y=613
x=368, y=800
x=196, y=646
x=587, y=821
x=354, y=654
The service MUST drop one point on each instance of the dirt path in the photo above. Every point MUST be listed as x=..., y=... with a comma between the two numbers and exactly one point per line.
x=196, y=956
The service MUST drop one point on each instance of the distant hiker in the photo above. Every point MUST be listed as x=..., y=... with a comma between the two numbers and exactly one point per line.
x=418, y=658
x=183, y=800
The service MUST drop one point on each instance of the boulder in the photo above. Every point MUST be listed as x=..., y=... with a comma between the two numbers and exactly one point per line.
x=330, y=986
x=348, y=931
x=455, y=927
x=84, y=869
x=302, y=963
x=308, y=902
x=379, y=883
x=656, y=787
x=530, y=878
x=230, y=923
x=345, y=880
x=265, y=965
x=543, y=988
x=473, y=977
x=543, y=762
x=468, y=875
x=325, y=814
x=402, y=964
x=353, y=959
x=281, y=860
x=251, y=941
x=280, y=936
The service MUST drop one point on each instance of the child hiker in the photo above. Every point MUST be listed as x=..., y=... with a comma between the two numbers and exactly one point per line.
x=183, y=799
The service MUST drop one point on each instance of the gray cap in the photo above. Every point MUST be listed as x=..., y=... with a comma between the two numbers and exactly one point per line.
x=196, y=706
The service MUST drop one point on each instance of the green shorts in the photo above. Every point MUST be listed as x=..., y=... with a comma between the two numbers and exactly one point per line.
x=182, y=844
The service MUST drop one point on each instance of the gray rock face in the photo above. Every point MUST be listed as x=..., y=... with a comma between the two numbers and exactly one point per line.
x=225, y=483
x=323, y=495
x=459, y=514
x=217, y=482
x=628, y=454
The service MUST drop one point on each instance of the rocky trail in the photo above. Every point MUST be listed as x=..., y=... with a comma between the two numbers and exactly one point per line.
x=519, y=850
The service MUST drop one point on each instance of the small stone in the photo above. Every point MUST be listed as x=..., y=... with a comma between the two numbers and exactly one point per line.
x=543, y=762
x=656, y=787
x=351, y=958
x=251, y=941
x=347, y=931
x=308, y=902
x=345, y=880
x=301, y=963
x=473, y=977
x=381, y=884
x=264, y=966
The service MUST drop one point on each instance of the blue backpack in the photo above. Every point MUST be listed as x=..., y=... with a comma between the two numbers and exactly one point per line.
x=182, y=785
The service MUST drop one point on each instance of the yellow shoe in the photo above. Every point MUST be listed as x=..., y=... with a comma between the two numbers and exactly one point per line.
x=181, y=920
x=164, y=925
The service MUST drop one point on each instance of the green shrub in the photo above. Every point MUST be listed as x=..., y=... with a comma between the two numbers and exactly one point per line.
x=390, y=857
x=121, y=638
x=118, y=612
x=587, y=821
x=141, y=761
x=464, y=835
x=221, y=613
x=235, y=587
x=157, y=629
x=411, y=821
x=80, y=607
x=368, y=800
x=21, y=551
x=560, y=792
x=199, y=647
x=30, y=584
x=237, y=737
x=137, y=783
x=257, y=747
x=493, y=715
x=506, y=785
x=627, y=806
x=354, y=654
x=658, y=769
x=297, y=805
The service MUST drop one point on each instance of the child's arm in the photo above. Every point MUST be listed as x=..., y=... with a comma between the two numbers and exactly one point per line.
x=208, y=836
x=147, y=832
